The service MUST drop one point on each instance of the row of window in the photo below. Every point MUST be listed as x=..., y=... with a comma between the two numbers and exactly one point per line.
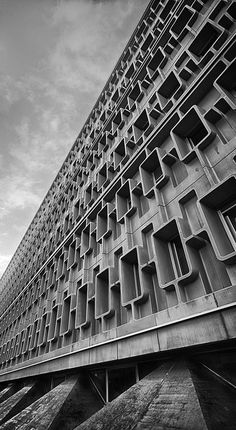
x=176, y=263
x=155, y=13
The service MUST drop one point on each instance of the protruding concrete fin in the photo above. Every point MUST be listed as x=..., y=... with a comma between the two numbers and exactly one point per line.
x=41, y=414
x=176, y=405
x=6, y=392
x=128, y=409
x=9, y=407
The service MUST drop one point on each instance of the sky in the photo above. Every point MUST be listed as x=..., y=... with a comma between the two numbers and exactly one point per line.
x=55, y=58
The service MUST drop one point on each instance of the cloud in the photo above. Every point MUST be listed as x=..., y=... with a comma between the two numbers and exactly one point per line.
x=84, y=53
x=55, y=58
x=4, y=261
x=19, y=192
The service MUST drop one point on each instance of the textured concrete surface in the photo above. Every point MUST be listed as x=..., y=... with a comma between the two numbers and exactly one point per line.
x=132, y=253
x=179, y=394
x=81, y=404
x=164, y=400
x=9, y=406
x=128, y=409
x=176, y=406
x=6, y=392
x=41, y=414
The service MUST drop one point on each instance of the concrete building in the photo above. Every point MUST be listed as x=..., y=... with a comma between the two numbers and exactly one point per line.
x=130, y=262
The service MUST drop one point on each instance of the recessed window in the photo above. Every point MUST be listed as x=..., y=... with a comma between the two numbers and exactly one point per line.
x=197, y=135
x=129, y=203
x=229, y=215
x=178, y=256
x=204, y=41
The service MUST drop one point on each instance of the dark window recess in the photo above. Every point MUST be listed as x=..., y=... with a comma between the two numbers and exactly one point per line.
x=118, y=384
x=130, y=273
x=204, y=40
x=197, y=134
x=142, y=121
x=227, y=79
x=167, y=9
x=99, y=380
x=178, y=255
x=137, y=280
x=217, y=10
x=232, y=10
x=169, y=86
x=129, y=203
x=182, y=21
x=230, y=53
x=156, y=60
x=157, y=172
x=229, y=215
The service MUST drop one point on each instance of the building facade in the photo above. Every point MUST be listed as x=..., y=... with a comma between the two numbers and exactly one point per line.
x=133, y=250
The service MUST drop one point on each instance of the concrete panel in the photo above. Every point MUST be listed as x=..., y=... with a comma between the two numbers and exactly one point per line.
x=229, y=318
x=107, y=351
x=103, y=353
x=136, y=325
x=145, y=343
x=226, y=296
x=208, y=328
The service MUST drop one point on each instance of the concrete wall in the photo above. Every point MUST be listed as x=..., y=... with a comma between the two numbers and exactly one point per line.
x=133, y=250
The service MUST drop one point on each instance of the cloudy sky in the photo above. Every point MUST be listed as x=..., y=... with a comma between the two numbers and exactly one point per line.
x=55, y=58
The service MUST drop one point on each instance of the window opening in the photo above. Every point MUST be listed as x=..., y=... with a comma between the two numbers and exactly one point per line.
x=229, y=215
x=178, y=256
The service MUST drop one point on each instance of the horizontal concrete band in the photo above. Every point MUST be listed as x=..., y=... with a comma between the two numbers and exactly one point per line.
x=215, y=325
